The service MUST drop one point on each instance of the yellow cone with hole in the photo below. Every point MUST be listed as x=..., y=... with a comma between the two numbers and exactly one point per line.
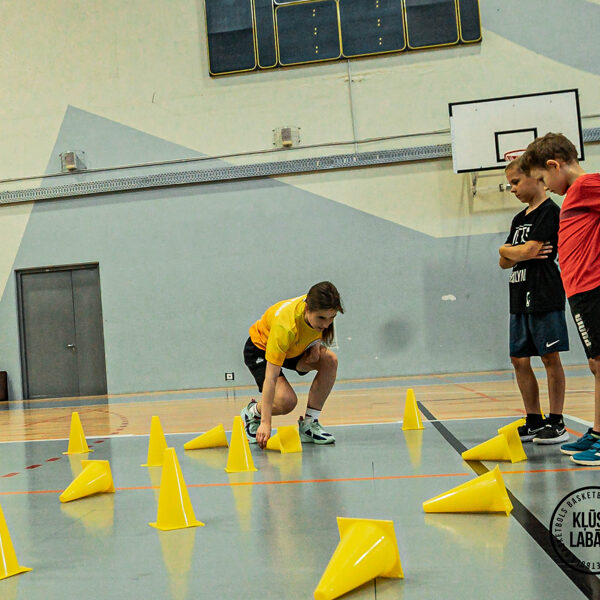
x=9, y=565
x=175, y=509
x=156, y=445
x=412, y=416
x=496, y=448
x=286, y=440
x=515, y=445
x=213, y=438
x=77, y=441
x=95, y=478
x=486, y=493
x=514, y=425
x=239, y=458
x=367, y=549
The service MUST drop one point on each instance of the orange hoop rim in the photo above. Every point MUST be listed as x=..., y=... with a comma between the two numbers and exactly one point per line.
x=513, y=154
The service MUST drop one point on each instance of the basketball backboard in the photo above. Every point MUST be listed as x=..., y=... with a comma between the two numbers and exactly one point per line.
x=484, y=130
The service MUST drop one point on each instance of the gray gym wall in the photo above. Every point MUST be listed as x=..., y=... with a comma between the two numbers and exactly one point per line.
x=184, y=271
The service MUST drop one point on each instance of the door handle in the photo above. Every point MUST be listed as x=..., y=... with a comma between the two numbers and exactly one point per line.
x=72, y=346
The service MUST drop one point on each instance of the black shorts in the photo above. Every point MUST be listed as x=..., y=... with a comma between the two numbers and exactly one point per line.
x=257, y=363
x=585, y=308
x=537, y=334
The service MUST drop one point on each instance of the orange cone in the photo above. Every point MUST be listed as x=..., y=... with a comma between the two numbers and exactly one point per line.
x=367, y=549
x=175, y=509
x=156, y=445
x=213, y=438
x=95, y=478
x=9, y=565
x=77, y=442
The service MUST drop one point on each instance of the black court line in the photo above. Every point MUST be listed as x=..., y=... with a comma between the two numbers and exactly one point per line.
x=587, y=583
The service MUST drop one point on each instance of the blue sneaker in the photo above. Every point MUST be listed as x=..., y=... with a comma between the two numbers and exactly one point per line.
x=590, y=458
x=251, y=423
x=585, y=442
x=312, y=431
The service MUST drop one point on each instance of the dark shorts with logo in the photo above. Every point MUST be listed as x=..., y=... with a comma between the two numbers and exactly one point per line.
x=257, y=363
x=585, y=308
x=536, y=334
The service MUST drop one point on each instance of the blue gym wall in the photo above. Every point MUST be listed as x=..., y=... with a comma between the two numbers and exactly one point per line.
x=184, y=271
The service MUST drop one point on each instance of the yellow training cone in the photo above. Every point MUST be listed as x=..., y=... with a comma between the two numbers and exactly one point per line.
x=174, y=505
x=239, y=458
x=514, y=425
x=9, y=565
x=515, y=445
x=486, y=493
x=367, y=549
x=213, y=438
x=286, y=440
x=157, y=444
x=412, y=417
x=496, y=448
x=95, y=478
x=77, y=443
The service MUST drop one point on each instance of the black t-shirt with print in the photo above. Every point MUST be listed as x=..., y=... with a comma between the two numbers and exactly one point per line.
x=535, y=285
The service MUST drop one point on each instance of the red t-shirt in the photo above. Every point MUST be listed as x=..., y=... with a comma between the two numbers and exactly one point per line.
x=579, y=235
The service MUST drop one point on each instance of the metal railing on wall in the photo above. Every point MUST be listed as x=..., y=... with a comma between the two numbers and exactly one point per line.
x=176, y=173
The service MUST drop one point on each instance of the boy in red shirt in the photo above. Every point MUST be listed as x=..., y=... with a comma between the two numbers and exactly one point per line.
x=553, y=159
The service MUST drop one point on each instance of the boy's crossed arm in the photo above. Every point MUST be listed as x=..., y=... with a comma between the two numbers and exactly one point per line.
x=511, y=255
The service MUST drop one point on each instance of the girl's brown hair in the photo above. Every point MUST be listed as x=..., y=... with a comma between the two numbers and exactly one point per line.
x=324, y=296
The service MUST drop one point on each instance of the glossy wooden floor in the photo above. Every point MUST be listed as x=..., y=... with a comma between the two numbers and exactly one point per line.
x=269, y=534
x=450, y=396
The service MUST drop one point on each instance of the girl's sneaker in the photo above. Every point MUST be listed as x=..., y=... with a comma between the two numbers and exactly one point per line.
x=312, y=431
x=251, y=423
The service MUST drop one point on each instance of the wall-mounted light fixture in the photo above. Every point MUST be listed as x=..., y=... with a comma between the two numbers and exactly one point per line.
x=286, y=137
x=72, y=160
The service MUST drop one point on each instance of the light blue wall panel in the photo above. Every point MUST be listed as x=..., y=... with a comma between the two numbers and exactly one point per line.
x=185, y=271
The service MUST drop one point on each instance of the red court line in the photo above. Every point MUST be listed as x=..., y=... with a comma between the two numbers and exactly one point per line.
x=464, y=387
x=295, y=481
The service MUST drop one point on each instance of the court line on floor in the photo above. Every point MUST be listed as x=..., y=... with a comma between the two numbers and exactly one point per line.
x=117, y=436
x=588, y=584
x=298, y=481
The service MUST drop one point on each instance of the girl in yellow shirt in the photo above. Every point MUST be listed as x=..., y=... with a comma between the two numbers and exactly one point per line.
x=291, y=335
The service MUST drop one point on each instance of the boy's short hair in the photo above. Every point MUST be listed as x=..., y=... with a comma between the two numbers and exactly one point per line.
x=552, y=146
x=514, y=164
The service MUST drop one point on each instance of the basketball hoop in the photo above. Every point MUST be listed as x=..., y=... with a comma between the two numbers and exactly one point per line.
x=513, y=155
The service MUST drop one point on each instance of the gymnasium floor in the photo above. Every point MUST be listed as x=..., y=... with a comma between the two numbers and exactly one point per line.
x=271, y=533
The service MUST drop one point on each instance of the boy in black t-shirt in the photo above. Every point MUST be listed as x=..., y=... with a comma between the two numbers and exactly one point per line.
x=537, y=305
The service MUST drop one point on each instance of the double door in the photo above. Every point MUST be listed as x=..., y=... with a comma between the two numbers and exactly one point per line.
x=61, y=332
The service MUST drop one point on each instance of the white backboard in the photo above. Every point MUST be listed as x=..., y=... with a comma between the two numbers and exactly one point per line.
x=483, y=130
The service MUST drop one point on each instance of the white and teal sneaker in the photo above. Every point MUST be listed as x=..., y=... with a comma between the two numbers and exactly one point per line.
x=251, y=423
x=312, y=431
x=589, y=457
x=585, y=442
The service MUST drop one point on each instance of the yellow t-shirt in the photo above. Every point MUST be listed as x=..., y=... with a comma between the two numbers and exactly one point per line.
x=282, y=331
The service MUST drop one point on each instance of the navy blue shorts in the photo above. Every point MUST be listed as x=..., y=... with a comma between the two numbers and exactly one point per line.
x=536, y=334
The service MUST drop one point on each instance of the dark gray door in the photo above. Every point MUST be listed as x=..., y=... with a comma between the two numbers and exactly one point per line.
x=62, y=339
